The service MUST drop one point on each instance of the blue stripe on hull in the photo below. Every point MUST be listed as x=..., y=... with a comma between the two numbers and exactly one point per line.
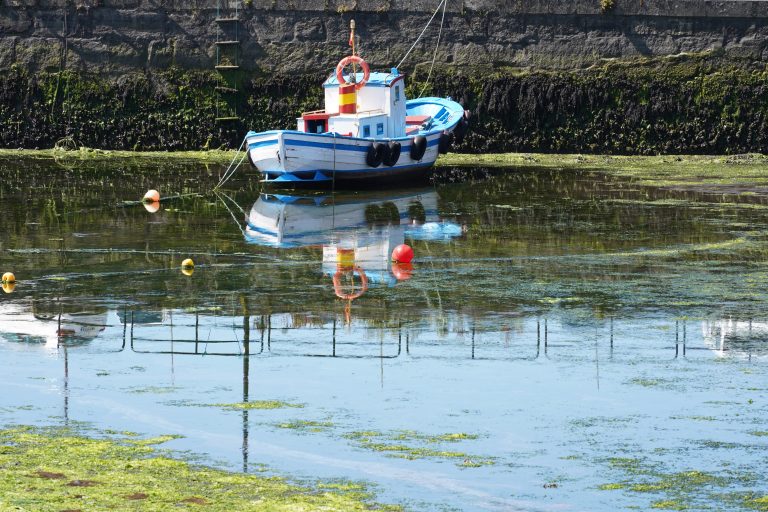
x=262, y=143
x=378, y=171
x=347, y=147
x=357, y=176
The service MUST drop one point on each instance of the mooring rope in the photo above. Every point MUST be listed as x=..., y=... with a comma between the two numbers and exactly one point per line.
x=441, y=4
x=434, y=55
x=231, y=170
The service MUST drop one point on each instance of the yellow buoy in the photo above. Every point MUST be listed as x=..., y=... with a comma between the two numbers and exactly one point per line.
x=152, y=196
x=187, y=267
x=9, y=287
x=8, y=277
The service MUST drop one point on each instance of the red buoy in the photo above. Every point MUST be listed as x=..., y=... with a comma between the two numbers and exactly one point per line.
x=402, y=271
x=402, y=254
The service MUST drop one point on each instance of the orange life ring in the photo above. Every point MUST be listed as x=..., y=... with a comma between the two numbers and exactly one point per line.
x=337, y=283
x=349, y=60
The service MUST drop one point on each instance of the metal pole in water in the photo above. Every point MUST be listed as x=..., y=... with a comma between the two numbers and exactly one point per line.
x=473, y=341
x=197, y=328
x=246, y=375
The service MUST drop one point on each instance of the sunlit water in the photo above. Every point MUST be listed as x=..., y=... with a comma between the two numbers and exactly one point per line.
x=564, y=321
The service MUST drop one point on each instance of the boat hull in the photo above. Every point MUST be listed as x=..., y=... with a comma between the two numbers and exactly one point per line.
x=296, y=158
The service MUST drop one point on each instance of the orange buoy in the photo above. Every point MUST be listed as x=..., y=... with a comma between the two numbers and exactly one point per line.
x=402, y=254
x=8, y=287
x=152, y=206
x=152, y=196
x=402, y=271
x=8, y=277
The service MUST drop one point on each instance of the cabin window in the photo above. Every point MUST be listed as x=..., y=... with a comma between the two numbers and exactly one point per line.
x=315, y=126
x=366, y=131
x=380, y=129
x=397, y=93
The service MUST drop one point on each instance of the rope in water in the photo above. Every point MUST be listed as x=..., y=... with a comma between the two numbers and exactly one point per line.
x=230, y=210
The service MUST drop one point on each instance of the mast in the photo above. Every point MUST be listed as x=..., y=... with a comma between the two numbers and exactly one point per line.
x=352, y=44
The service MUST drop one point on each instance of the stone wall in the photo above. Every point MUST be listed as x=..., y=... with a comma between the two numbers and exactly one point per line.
x=114, y=36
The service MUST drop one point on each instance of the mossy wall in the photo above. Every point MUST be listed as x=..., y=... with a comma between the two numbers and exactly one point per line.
x=695, y=104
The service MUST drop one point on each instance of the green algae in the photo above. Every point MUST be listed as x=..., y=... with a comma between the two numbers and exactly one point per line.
x=258, y=404
x=152, y=441
x=669, y=505
x=694, y=418
x=90, y=154
x=682, y=172
x=759, y=433
x=756, y=503
x=408, y=444
x=155, y=390
x=306, y=425
x=647, y=382
x=630, y=465
x=682, y=490
x=611, y=486
x=412, y=435
x=56, y=469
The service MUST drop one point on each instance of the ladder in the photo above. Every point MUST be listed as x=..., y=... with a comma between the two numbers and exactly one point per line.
x=227, y=60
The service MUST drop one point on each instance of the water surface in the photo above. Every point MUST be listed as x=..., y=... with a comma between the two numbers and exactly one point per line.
x=563, y=341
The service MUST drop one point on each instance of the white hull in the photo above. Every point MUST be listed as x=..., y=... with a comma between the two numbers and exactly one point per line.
x=321, y=156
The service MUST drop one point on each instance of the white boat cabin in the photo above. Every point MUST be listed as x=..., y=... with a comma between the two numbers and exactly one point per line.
x=374, y=111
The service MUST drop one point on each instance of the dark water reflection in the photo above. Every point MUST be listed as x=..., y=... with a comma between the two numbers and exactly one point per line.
x=561, y=317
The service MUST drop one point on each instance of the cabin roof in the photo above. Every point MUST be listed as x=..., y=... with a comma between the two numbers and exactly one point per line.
x=377, y=79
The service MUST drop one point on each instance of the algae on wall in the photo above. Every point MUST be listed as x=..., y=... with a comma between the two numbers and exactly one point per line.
x=689, y=104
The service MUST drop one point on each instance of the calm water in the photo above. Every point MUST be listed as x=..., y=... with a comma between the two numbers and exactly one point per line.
x=580, y=330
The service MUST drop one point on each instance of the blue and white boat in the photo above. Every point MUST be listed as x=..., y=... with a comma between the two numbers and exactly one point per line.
x=368, y=132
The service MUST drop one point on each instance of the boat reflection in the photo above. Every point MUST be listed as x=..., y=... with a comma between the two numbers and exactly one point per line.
x=357, y=232
x=740, y=338
x=50, y=324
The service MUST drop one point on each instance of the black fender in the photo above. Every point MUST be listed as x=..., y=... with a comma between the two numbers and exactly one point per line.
x=445, y=143
x=460, y=130
x=375, y=154
x=418, y=147
x=394, y=153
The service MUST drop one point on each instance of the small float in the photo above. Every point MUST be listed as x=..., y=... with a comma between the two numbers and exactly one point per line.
x=369, y=132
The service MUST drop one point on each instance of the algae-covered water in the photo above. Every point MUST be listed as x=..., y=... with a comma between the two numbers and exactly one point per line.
x=564, y=340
